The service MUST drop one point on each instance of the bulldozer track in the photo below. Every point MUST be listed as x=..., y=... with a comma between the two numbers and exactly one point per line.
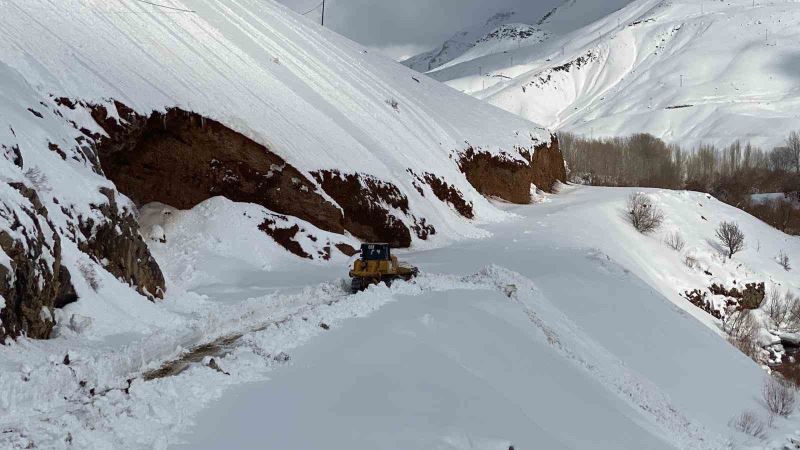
x=223, y=346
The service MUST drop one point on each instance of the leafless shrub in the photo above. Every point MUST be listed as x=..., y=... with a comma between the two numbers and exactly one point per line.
x=749, y=423
x=690, y=261
x=675, y=241
x=783, y=310
x=742, y=330
x=644, y=216
x=779, y=396
x=38, y=179
x=393, y=103
x=89, y=274
x=783, y=260
x=731, y=237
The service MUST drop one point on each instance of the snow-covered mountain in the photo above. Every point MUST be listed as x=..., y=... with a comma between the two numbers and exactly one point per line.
x=107, y=107
x=686, y=71
x=182, y=184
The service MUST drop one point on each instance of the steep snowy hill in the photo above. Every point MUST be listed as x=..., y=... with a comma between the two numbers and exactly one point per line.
x=686, y=71
x=179, y=102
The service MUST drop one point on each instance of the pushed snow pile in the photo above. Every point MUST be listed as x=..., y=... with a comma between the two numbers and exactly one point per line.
x=685, y=71
x=219, y=237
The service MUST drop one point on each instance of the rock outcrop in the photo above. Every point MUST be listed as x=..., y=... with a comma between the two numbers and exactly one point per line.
x=750, y=297
x=118, y=246
x=362, y=197
x=180, y=159
x=510, y=179
x=33, y=280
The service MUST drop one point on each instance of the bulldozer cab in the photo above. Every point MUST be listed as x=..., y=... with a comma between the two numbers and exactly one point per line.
x=375, y=252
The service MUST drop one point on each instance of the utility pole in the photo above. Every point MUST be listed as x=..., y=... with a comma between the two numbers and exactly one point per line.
x=323, y=13
x=681, y=80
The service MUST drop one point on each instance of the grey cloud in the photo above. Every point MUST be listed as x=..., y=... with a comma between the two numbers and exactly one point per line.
x=400, y=27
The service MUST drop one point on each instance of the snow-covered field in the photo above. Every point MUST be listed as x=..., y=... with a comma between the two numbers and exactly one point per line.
x=565, y=328
x=686, y=71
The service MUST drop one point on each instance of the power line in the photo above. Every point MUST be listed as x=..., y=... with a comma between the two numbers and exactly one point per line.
x=167, y=7
x=322, y=4
x=312, y=9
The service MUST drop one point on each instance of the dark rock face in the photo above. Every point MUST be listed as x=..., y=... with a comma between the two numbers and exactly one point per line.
x=32, y=287
x=361, y=197
x=285, y=237
x=511, y=179
x=445, y=192
x=181, y=159
x=750, y=297
x=117, y=241
x=548, y=167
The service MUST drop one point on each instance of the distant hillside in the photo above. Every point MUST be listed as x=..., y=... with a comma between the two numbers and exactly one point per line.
x=636, y=69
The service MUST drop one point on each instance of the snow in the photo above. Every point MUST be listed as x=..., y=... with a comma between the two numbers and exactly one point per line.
x=685, y=71
x=562, y=328
x=552, y=325
x=196, y=247
x=319, y=101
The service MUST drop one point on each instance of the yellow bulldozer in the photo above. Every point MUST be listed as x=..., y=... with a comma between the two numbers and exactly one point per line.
x=377, y=265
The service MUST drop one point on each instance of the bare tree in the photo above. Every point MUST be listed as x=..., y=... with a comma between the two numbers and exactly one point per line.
x=793, y=144
x=779, y=396
x=748, y=423
x=742, y=331
x=675, y=241
x=644, y=216
x=731, y=236
x=783, y=310
x=783, y=260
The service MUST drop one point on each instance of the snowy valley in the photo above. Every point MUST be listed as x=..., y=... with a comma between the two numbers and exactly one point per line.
x=186, y=184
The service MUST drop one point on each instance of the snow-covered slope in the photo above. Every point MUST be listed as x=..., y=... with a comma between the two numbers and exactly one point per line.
x=527, y=24
x=184, y=101
x=686, y=71
x=565, y=328
x=313, y=98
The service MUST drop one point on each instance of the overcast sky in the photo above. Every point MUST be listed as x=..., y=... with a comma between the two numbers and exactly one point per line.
x=403, y=27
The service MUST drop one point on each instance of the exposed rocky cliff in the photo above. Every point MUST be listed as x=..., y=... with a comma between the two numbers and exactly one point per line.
x=180, y=158
x=510, y=178
x=33, y=280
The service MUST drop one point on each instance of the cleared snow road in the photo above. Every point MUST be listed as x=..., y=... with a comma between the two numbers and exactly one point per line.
x=583, y=354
